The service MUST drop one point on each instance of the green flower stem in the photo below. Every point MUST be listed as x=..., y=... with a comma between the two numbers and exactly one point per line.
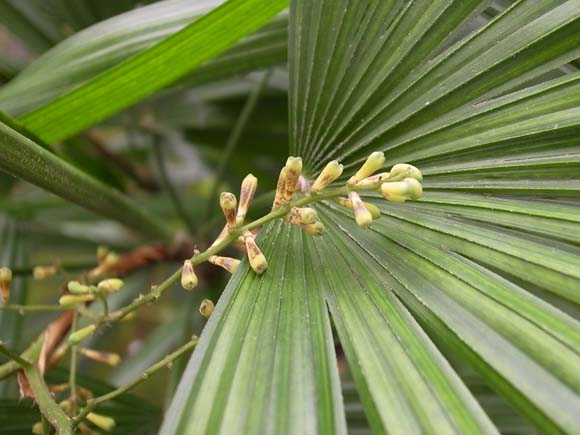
x=48, y=407
x=158, y=291
x=73, y=366
x=16, y=307
x=165, y=362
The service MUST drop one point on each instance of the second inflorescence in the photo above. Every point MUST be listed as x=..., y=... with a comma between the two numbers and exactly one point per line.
x=401, y=184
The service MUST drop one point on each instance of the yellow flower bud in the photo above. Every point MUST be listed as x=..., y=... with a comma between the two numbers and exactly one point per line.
x=402, y=170
x=228, y=263
x=206, y=308
x=293, y=171
x=81, y=334
x=247, y=191
x=375, y=212
x=5, y=283
x=362, y=216
x=43, y=272
x=280, y=189
x=77, y=288
x=400, y=191
x=258, y=261
x=112, y=259
x=37, y=428
x=102, y=252
x=75, y=299
x=101, y=421
x=331, y=172
x=228, y=205
x=373, y=163
x=302, y=216
x=188, y=277
x=109, y=358
x=110, y=285
x=316, y=229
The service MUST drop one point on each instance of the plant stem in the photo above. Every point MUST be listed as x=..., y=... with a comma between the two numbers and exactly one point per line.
x=16, y=307
x=73, y=367
x=30, y=354
x=92, y=403
x=168, y=185
x=157, y=292
x=14, y=356
x=234, y=139
x=48, y=407
x=45, y=425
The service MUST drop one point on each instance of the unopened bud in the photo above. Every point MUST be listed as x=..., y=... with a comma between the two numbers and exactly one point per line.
x=373, y=163
x=258, y=261
x=304, y=215
x=76, y=299
x=362, y=216
x=280, y=189
x=5, y=283
x=77, y=288
x=110, y=285
x=402, y=170
x=375, y=212
x=188, y=277
x=228, y=263
x=331, y=172
x=228, y=204
x=112, y=259
x=373, y=182
x=101, y=421
x=400, y=191
x=37, y=428
x=247, y=191
x=109, y=358
x=102, y=252
x=43, y=272
x=81, y=334
x=293, y=171
x=206, y=308
x=117, y=316
x=316, y=229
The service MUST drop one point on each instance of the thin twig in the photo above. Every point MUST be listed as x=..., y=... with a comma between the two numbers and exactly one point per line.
x=168, y=185
x=234, y=139
x=165, y=362
x=16, y=307
x=14, y=356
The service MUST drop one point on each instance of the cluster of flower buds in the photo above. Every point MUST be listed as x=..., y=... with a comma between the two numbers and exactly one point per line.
x=44, y=272
x=5, y=283
x=81, y=293
x=107, y=262
x=307, y=219
x=399, y=185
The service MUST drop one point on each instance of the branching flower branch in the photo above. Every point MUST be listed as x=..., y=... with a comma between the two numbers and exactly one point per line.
x=402, y=183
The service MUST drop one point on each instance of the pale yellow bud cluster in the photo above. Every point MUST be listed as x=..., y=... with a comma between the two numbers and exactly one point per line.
x=43, y=272
x=307, y=219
